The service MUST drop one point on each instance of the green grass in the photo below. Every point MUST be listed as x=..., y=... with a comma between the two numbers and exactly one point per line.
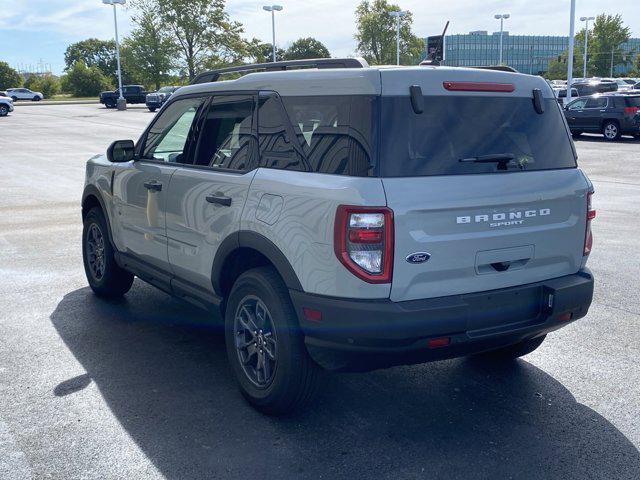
x=66, y=96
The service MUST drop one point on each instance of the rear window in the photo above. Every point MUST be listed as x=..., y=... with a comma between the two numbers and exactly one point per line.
x=469, y=128
x=633, y=101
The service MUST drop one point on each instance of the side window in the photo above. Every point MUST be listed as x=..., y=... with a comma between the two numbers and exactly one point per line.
x=227, y=140
x=335, y=132
x=276, y=148
x=577, y=105
x=596, y=103
x=168, y=135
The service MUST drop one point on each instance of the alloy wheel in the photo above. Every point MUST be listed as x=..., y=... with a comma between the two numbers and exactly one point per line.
x=255, y=341
x=95, y=251
x=611, y=131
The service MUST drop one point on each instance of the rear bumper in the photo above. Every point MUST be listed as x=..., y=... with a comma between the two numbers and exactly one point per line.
x=369, y=334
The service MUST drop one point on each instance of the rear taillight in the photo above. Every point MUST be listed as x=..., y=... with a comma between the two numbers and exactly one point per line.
x=630, y=110
x=363, y=241
x=588, y=238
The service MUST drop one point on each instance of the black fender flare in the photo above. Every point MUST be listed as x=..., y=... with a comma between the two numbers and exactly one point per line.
x=260, y=243
x=92, y=191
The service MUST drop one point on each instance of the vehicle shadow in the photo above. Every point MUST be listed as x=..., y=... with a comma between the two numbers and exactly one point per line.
x=162, y=370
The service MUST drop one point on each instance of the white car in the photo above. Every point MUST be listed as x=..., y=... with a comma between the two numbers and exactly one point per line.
x=6, y=106
x=24, y=94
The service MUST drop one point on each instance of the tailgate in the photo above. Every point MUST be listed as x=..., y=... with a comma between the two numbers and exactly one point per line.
x=483, y=232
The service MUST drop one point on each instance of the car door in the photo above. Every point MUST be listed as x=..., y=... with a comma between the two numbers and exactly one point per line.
x=595, y=110
x=575, y=114
x=140, y=187
x=206, y=198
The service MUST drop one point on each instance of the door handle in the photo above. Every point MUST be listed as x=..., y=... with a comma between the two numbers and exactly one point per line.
x=219, y=199
x=153, y=185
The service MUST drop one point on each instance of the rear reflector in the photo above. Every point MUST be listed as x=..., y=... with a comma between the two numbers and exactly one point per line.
x=312, y=314
x=588, y=237
x=438, y=342
x=478, y=87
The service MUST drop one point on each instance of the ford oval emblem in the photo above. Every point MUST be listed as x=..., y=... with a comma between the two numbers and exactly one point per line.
x=418, y=257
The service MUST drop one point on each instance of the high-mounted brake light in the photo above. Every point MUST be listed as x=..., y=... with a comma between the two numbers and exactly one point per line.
x=588, y=238
x=478, y=87
x=363, y=241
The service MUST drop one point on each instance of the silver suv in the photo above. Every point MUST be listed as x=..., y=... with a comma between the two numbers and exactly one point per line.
x=347, y=217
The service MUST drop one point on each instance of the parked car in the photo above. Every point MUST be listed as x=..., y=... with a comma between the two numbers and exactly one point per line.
x=613, y=115
x=561, y=94
x=131, y=93
x=155, y=100
x=6, y=105
x=24, y=94
x=349, y=218
x=592, y=87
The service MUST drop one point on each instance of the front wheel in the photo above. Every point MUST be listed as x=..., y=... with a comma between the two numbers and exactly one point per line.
x=152, y=109
x=4, y=110
x=105, y=277
x=15, y=99
x=36, y=98
x=611, y=131
x=265, y=346
x=516, y=350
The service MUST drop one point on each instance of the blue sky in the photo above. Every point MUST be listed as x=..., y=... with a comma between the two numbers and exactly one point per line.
x=33, y=31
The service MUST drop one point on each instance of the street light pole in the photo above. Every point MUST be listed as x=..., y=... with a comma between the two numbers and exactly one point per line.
x=398, y=15
x=586, y=43
x=122, y=102
x=273, y=9
x=572, y=28
x=502, y=17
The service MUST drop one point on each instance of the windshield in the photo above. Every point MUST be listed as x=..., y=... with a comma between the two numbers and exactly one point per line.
x=454, y=129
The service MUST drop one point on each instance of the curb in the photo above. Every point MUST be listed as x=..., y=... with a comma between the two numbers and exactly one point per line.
x=61, y=102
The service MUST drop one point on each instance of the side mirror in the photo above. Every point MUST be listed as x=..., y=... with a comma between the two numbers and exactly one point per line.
x=121, y=151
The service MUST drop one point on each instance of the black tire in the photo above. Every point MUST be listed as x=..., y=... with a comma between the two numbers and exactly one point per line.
x=294, y=376
x=109, y=104
x=611, y=131
x=36, y=99
x=15, y=99
x=152, y=109
x=516, y=350
x=4, y=110
x=110, y=280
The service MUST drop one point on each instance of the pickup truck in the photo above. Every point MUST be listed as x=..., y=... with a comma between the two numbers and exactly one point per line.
x=132, y=93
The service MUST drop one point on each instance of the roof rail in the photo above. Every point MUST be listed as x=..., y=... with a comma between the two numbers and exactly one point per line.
x=214, y=75
x=500, y=68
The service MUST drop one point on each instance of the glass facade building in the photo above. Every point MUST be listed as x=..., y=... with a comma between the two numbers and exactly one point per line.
x=525, y=53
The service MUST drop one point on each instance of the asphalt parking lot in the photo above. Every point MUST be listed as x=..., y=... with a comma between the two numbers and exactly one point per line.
x=140, y=389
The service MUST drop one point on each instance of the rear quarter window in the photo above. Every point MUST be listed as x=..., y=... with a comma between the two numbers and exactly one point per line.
x=454, y=128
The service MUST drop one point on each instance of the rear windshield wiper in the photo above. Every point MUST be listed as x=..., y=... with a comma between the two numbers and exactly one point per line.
x=500, y=158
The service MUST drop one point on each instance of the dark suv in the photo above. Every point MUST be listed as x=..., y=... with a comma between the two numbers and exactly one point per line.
x=613, y=115
x=593, y=87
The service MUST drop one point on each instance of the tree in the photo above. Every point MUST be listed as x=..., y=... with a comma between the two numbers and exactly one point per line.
x=558, y=66
x=202, y=32
x=260, y=52
x=152, y=50
x=93, y=53
x=9, y=78
x=306, y=48
x=609, y=33
x=376, y=34
x=83, y=81
x=48, y=85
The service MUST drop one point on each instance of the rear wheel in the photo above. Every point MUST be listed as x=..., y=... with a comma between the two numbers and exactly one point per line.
x=36, y=98
x=516, y=350
x=4, y=110
x=611, y=131
x=15, y=99
x=110, y=104
x=105, y=277
x=265, y=346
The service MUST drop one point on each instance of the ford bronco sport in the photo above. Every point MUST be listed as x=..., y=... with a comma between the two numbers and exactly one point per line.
x=347, y=217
